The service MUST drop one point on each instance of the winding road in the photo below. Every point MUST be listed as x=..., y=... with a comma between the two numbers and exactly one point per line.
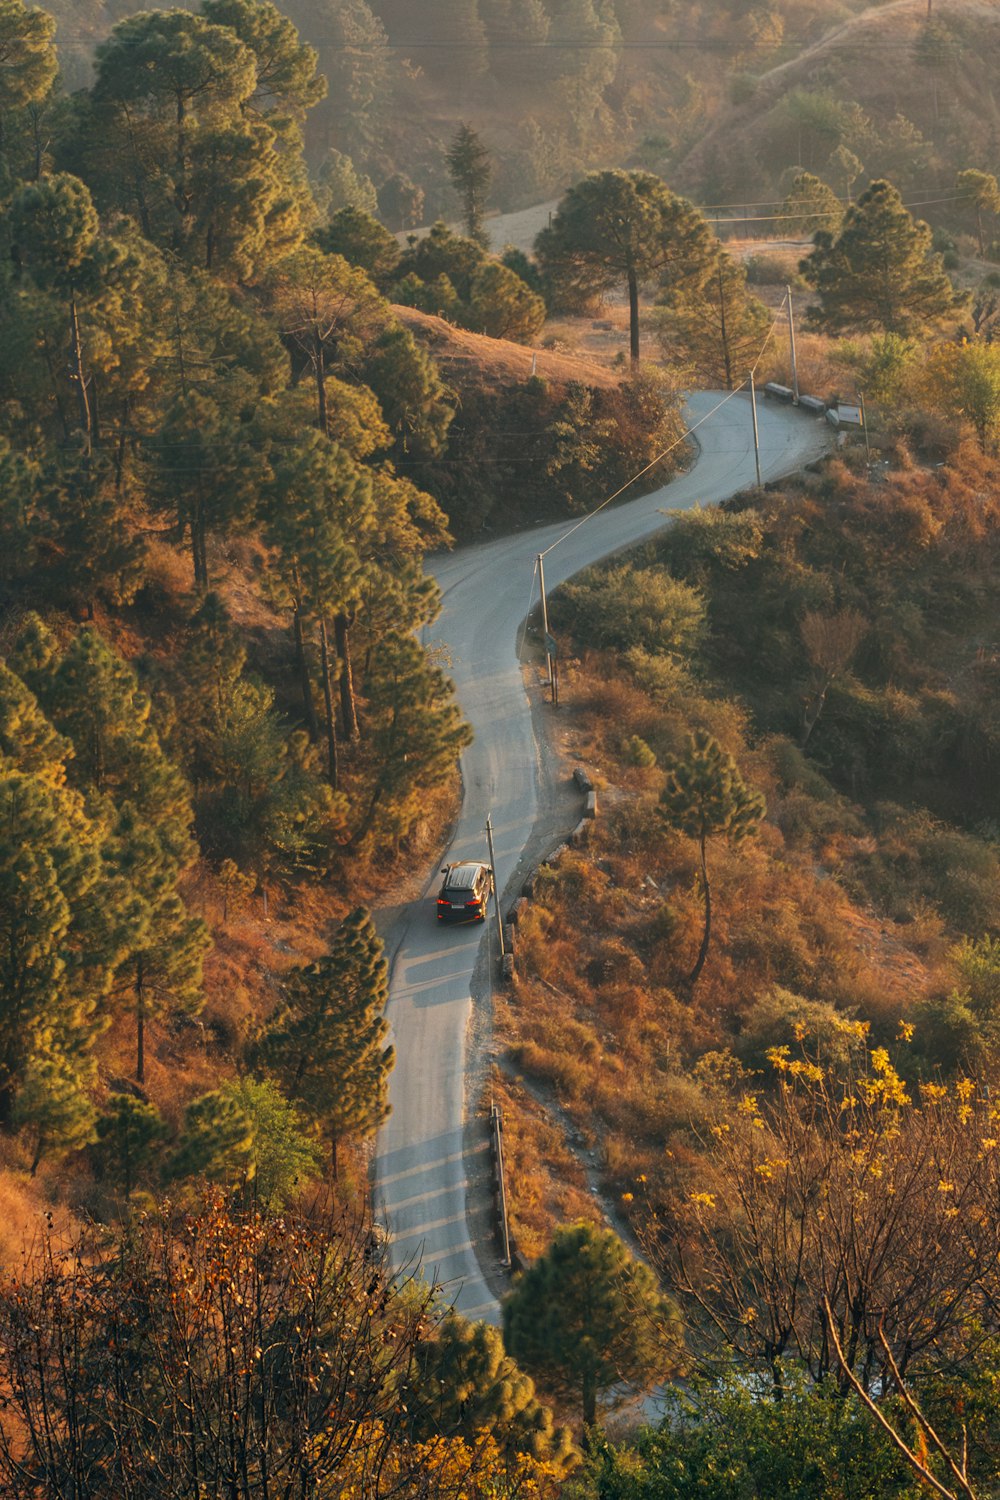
x=421, y=1172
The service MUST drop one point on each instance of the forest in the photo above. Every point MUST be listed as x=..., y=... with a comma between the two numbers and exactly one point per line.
x=263, y=360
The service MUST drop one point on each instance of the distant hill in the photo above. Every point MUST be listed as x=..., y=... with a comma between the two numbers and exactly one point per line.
x=913, y=99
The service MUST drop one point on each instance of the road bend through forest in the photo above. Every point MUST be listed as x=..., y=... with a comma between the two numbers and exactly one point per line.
x=420, y=1167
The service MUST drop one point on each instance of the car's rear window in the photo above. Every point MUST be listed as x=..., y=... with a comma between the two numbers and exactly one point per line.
x=462, y=877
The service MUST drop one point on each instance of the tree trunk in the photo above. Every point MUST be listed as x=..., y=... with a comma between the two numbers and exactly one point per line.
x=811, y=712
x=140, y=1024
x=707, y=937
x=302, y=663
x=589, y=1400
x=333, y=760
x=334, y=1164
x=633, y=316
x=348, y=703
x=319, y=364
x=724, y=332
x=78, y=371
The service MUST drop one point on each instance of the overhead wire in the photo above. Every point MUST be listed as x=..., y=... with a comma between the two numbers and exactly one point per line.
x=688, y=432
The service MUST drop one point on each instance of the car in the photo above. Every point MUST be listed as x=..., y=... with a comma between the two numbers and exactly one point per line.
x=465, y=892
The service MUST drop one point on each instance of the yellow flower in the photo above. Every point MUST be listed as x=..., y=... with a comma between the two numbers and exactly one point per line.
x=946, y=1187
x=905, y=1031
x=627, y=1197
x=703, y=1200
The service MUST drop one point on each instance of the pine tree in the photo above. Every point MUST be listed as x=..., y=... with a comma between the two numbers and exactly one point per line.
x=720, y=330
x=28, y=67
x=95, y=699
x=587, y=1316
x=126, y=1139
x=57, y=937
x=468, y=1384
x=470, y=168
x=625, y=228
x=216, y=1141
x=810, y=205
x=325, y=1042
x=705, y=797
x=879, y=272
x=53, y=1104
x=417, y=732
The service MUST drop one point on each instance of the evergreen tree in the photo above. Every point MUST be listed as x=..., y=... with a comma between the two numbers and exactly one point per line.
x=327, y=310
x=28, y=66
x=325, y=1043
x=616, y=228
x=53, y=1104
x=127, y=1137
x=705, y=797
x=982, y=194
x=503, y=306
x=57, y=935
x=470, y=168
x=215, y=1143
x=340, y=185
x=879, y=272
x=809, y=205
x=587, y=1316
x=401, y=202
x=28, y=741
x=720, y=331
x=362, y=241
x=286, y=82
x=468, y=1384
x=417, y=732
x=416, y=403
x=95, y=699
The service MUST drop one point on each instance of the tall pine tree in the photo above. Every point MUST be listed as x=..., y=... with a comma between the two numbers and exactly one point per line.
x=325, y=1044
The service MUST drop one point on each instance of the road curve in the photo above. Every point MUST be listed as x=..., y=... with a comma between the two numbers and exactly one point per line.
x=420, y=1172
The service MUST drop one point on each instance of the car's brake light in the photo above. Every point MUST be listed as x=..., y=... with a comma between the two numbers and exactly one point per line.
x=472, y=903
x=443, y=902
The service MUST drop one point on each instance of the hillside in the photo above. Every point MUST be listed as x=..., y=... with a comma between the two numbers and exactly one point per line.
x=913, y=99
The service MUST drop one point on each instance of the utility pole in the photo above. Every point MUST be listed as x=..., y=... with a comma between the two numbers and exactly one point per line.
x=545, y=624
x=493, y=871
x=791, y=340
x=756, y=434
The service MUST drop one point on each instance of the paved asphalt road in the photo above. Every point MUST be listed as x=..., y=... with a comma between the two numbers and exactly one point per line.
x=419, y=1168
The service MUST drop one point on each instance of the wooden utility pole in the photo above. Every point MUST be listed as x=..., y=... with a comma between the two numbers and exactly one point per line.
x=756, y=434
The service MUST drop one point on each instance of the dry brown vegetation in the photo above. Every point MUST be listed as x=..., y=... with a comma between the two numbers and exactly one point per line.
x=850, y=902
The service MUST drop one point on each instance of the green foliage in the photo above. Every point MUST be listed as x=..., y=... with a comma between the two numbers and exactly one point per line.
x=59, y=939
x=325, y=1041
x=467, y=1384
x=471, y=171
x=128, y=1135
x=628, y=229
x=730, y=1442
x=362, y=241
x=780, y=1018
x=417, y=731
x=341, y=187
x=705, y=797
x=215, y=1143
x=282, y=1159
x=720, y=331
x=810, y=205
x=53, y=1105
x=587, y=1316
x=878, y=270
x=624, y=606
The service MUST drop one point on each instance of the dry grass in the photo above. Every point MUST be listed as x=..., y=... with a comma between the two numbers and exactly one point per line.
x=492, y=363
x=546, y=1184
x=601, y=1015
